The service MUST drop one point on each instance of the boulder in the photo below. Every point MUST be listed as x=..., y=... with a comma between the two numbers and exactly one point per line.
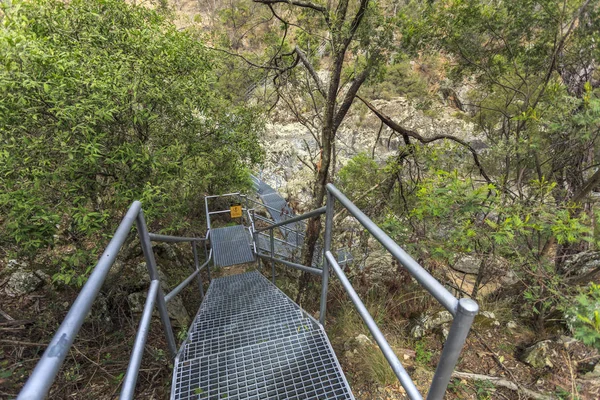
x=467, y=264
x=22, y=282
x=538, y=355
x=363, y=340
x=430, y=322
x=487, y=318
x=582, y=263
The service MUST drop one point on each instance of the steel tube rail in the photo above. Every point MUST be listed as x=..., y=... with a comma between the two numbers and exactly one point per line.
x=294, y=265
x=135, y=361
x=264, y=205
x=304, y=216
x=153, y=271
x=461, y=325
x=277, y=239
x=269, y=221
x=223, y=211
x=222, y=195
x=436, y=289
x=169, y=296
x=399, y=371
x=207, y=213
x=326, y=248
x=200, y=283
x=272, y=256
x=264, y=252
x=173, y=239
x=45, y=371
x=284, y=227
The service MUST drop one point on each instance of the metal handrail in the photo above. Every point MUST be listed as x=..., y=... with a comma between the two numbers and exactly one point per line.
x=183, y=284
x=385, y=347
x=173, y=239
x=463, y=310
x=271, y=222
x=45, y=371
x=301, y=267
x=304, y=216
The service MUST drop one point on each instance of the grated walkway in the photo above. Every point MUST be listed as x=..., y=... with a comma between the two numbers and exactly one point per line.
x=231, y=245
x=250, y=341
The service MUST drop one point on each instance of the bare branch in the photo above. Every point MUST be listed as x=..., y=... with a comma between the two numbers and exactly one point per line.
x=403, y=131
x=298, y=3
x=349, y=98
x=311, y=70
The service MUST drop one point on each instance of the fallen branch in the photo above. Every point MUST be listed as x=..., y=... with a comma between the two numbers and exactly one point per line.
x=21, y=343
x=17, y=323
x=497, y=381
x=5, y=315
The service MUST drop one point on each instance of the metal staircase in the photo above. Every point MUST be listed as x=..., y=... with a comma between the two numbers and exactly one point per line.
x=248, y=339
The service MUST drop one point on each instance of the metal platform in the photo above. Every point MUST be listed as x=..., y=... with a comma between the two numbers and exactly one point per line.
x=250, y=341
x=231, y=245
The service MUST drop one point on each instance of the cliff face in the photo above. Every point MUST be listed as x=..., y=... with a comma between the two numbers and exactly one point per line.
x=291, y=148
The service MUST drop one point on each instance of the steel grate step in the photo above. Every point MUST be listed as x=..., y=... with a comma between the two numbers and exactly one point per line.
x=195, y=349
x=231, y=246
x=251, y=305
x=298, y=367
x=232, y=300
x=250, y=341
x=241, y=318
x=240, y=326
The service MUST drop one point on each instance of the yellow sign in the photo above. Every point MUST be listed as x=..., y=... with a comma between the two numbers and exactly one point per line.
x=236, y=211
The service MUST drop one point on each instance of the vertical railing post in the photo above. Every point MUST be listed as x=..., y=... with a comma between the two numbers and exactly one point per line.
x=465, y=313
x=206, y=255
x=326, y=248
x=160, y=296
x=272, y=238
x=196, y=264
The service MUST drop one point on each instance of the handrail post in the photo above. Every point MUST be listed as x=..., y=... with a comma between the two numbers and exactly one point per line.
x=326, y=248
x=461, y=325
x=160, y=296
x=128, y=389
x=196, y=264
x=272, y=255
x=207, y=265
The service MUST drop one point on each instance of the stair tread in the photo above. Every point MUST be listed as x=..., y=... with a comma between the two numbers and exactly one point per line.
x=232, y=308
x=302, y=366
x=238, y=318
x=238, y=326
x=200, y=348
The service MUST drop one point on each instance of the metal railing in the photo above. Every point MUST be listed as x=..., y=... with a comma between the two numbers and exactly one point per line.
x=44, y=374
x=463, y=310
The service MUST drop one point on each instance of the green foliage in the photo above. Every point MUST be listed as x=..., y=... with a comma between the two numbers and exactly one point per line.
x=397, y=79
x=584, y=316
x=359, y=177
x=422, y=354
x=104, y=103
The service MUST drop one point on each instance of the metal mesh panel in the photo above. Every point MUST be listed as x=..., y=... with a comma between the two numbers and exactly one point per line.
x=232, y=300
x=240, y=318
x=227, y=281
x=251, y=305
x=243, y=325
x=231, y=246
x=196, y=349
x=297, y=367
x=250, y=341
